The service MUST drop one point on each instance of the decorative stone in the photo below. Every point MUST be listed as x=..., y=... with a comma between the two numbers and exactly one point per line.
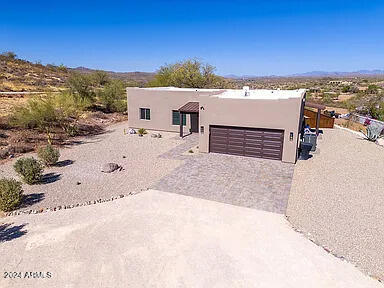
x=380, y=142
x=154, y=135
x=109, y=167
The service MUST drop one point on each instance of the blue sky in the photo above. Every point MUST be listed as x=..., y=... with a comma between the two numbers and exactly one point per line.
x=238, y=37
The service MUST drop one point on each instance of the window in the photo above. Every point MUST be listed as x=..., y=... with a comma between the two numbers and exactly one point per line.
x=176, y=118
x=145, y=114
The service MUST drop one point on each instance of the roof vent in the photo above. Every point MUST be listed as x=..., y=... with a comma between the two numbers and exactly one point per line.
x=246, y=91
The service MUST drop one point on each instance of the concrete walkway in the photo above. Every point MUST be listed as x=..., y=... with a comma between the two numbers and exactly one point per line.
x=158, y=239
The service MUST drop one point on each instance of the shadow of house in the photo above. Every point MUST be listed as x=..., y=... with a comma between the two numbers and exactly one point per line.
x=9, y=232
x=50, y=178
x=31, y=199
x=64, y=163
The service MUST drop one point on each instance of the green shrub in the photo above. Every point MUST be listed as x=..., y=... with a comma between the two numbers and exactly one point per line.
x=81, y=85
x=49, y=155
x=141, y=131
x=113, y=97
x=44, y=113
x=36, y=113
x=29, y=169
x=69, y=105
x=11, y=194
x=70, y=129
x=100, y=78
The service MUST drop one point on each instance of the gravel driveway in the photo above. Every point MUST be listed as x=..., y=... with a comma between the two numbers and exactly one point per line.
x=81, y=164
x=338, y=197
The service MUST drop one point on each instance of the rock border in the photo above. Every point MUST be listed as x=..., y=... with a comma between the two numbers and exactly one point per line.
x=350, y=130
x=64, y=207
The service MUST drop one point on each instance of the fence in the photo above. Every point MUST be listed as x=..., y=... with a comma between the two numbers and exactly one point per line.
x=366, y=120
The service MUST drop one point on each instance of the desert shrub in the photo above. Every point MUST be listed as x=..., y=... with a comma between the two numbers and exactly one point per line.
x=62, y=68
x=69, y=105
x=49, y=155
x=36, y=113
x=113, y=97
x=29, y=169
x=100, y=78
x=11, y=194
x=70, y=129
x=142, y=132
x=372, y=89
x=81, y=85
x=44, y=113
x=9, y=54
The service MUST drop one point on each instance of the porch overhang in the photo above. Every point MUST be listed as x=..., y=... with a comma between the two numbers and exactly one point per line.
x=190, y=107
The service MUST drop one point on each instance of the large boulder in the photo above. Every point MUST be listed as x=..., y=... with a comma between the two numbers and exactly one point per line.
x=109, y=167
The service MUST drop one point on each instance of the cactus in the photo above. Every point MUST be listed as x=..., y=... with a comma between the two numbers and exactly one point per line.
x=374, y=132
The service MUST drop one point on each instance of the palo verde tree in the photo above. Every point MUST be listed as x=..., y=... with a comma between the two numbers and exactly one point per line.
x=188, y=74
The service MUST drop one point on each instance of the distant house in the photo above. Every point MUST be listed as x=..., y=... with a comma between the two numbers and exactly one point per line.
x=254, y=123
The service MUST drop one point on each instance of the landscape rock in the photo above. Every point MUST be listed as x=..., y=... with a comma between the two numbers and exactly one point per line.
x=110, y=167
x=154, y=135
x=380, y=142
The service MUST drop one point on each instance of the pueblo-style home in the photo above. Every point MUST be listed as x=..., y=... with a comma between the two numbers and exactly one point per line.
x=254, y=123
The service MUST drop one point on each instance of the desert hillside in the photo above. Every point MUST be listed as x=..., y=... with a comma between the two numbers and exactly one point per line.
x=18, y=75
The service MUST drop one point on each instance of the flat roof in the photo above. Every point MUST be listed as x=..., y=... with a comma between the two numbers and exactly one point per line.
x=181, y=89
x=261, y=94
x=264, y=94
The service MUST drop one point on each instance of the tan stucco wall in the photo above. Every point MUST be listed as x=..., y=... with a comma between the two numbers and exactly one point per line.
x=161, y=104
x=281, y=114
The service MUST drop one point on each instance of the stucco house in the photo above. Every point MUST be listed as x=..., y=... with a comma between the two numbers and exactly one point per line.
x=255, y=123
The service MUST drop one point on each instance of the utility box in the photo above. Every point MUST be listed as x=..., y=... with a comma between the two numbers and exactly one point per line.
x=311, y=138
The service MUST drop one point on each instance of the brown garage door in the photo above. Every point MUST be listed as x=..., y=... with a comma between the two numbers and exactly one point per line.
x=252, y=142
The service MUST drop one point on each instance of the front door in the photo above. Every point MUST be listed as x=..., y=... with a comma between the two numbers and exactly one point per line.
x=194, y=122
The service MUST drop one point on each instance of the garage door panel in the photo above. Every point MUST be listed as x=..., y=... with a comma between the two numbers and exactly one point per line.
x=252, y=142
x=219, y=140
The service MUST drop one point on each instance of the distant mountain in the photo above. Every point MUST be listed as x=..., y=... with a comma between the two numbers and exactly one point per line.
x=375, y=72
x=359, y=73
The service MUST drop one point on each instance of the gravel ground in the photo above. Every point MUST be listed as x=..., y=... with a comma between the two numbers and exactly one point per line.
x=337, y=199
x=82, y=163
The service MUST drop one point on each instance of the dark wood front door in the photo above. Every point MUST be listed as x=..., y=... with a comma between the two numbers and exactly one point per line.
x=252, y=142
x=194, y=122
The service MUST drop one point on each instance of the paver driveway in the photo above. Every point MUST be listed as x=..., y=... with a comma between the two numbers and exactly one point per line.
x=243, y=181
